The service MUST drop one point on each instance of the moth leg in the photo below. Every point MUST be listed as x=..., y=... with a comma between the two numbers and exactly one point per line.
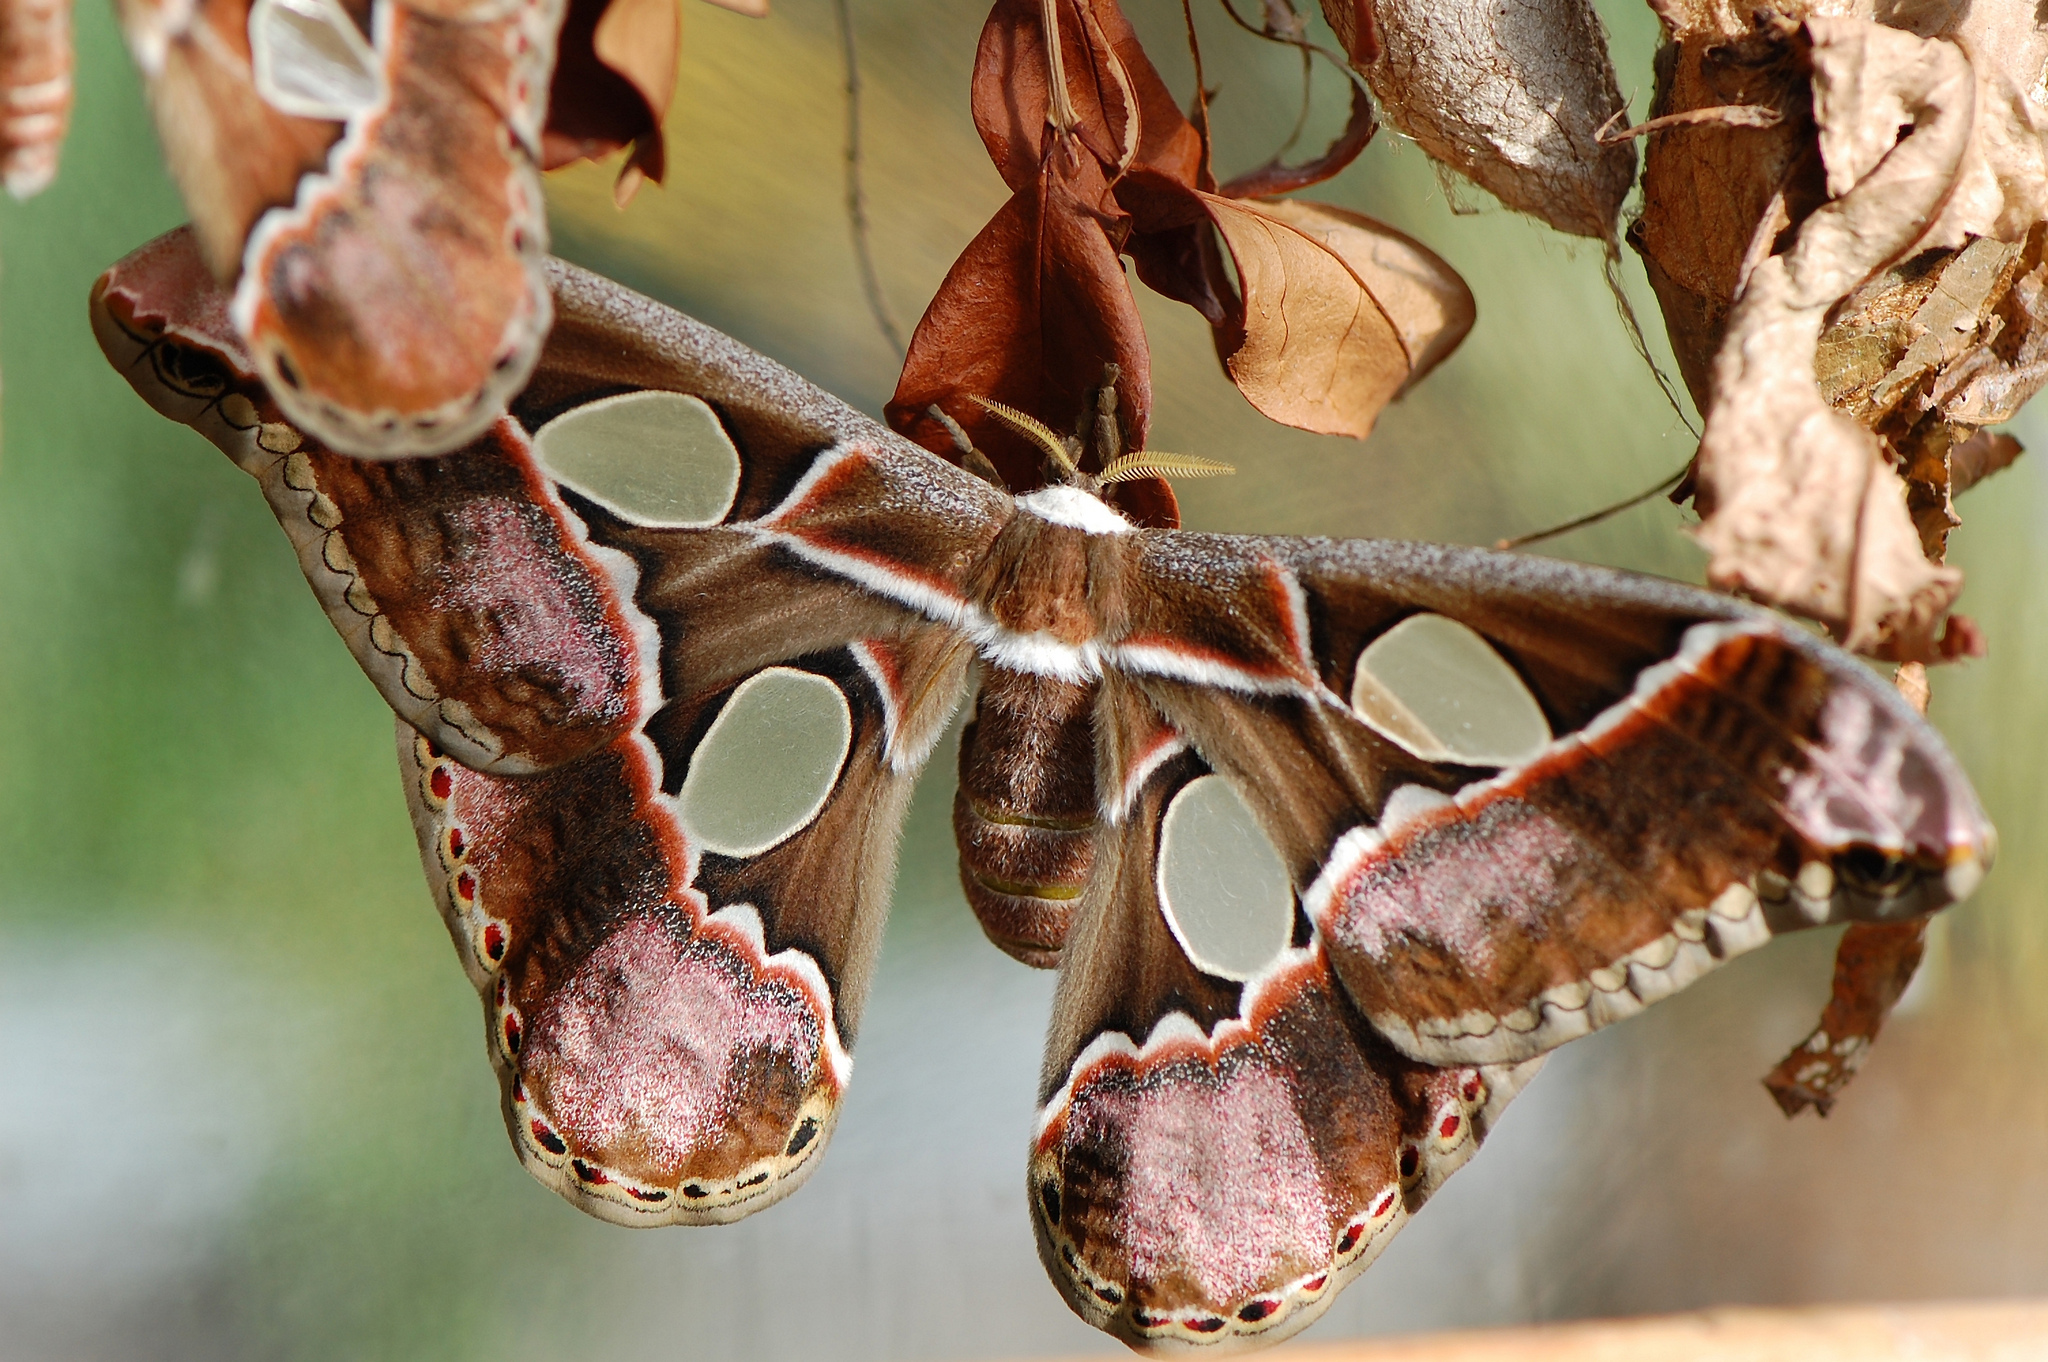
x=1873, y=964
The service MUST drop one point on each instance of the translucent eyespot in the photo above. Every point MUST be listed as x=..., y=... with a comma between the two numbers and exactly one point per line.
x=309, y=59
x=1223, y=887
x=768, y=762
x=1441, y=691
x=658, y=459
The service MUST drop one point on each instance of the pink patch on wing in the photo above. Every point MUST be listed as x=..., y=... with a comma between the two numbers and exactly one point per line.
x=641, y=1051
x=1872, y=781
x=1462, y=880
x=510, y=570
x=1220, y=1186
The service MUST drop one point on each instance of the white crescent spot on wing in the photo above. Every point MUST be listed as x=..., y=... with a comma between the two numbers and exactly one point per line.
x=658, y=459
x=768, y=762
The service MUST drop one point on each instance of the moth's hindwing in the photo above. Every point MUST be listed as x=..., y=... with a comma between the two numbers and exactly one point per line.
x=672, y=934
x=1217, y=1156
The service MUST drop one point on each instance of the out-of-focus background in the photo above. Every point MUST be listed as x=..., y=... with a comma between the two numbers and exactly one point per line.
x=244, y=1106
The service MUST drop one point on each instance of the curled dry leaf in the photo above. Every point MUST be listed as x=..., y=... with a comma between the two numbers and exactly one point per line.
x=1899, y=199
x=1509, y=93
x=1707, y=187
x=1800, y=504
x=1037, y=304
x=1873, y=964
x=1326, y=317
x=35, y=91
x=1340, y=314
x=1425, y=299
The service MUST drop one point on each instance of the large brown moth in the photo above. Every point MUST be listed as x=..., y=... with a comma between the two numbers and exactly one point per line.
x=1329, y=840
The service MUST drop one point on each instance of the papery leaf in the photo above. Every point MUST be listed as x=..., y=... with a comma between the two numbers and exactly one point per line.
x=1309, y=346
x=615, y=74
x=1978, y=457
x=1174, y=244
x=1873, y=964
x=1426, y=300
x=1012, y=88
x=1512, y=97
x=1038, y=303
x=1800, y=505
x=1028, y=316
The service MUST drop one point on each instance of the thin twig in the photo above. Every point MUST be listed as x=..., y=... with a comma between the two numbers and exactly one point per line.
x=1187, y=14
x=856, y=194
x=1301, y=41
x=1611, y=270
x=1595, y=518
x=1726, y=115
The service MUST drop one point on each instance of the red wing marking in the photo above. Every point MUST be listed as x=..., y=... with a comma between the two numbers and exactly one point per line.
x=1290, y=610
x=1149, y=754
x=884, y=666
x=819, y=521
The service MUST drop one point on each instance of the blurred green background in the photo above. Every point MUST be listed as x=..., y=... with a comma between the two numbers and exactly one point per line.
x=244, y=1106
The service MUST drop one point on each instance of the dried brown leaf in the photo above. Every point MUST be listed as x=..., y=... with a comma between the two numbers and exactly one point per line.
x=1990, y=383
x=1428, y=303
x=1978, y=457
x=1276, y=177
x=615, y=74
x=1873, y=964
x=1310, y=347
x=1800, y=505
x=1028, y=316
x=1509, y=93
x=1868, y=79
x=1038, y=304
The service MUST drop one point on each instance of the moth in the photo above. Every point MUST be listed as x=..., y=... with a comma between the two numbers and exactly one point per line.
x=365, y=176
x=1330, y=841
